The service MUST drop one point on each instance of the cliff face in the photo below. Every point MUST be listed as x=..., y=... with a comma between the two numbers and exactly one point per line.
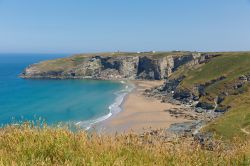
x=212, y=85
x=145, y=67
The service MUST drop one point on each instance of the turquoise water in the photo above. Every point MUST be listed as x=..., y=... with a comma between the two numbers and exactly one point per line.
x=53, y=100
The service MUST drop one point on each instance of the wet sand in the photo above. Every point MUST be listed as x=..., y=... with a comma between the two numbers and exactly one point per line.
x=141, y=113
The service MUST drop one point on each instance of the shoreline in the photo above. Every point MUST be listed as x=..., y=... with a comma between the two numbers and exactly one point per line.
x=140, y=113
x=114, y=108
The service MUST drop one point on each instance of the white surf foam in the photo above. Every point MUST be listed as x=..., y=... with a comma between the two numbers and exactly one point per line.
x=114, y=108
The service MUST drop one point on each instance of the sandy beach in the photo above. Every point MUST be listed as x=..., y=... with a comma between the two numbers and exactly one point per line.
x=141, y=113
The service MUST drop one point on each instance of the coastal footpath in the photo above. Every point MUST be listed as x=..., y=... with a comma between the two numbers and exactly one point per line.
x=207, y=85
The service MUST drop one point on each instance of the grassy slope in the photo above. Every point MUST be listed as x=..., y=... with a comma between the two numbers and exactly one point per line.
x=236, y=122
x=26, y=145
x=60, y=64
x=230, y=65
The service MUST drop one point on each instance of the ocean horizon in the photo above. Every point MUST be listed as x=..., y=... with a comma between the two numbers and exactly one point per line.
x=81, y=102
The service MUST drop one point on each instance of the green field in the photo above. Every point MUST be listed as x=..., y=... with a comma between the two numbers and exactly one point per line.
x=236, y=122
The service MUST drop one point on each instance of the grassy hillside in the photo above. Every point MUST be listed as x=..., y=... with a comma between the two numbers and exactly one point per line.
x=27, y=145
x=236, y=122
x=60, y=64
x=233, y=92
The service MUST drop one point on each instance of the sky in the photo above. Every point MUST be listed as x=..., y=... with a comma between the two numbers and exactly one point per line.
x=80, y=26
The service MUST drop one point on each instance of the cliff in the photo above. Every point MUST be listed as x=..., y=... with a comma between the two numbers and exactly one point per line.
x=115, y=66
x=219, y=87
x=211, y=83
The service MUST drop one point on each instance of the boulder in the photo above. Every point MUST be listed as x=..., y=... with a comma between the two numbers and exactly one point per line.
x=205, y=105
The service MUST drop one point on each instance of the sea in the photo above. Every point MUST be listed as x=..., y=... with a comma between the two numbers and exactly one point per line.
x=79, y=102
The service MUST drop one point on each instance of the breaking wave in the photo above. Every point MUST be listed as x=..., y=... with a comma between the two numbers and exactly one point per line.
x=114, y=108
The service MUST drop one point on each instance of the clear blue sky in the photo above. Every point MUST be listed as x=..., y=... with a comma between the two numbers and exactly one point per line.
x=72, y=26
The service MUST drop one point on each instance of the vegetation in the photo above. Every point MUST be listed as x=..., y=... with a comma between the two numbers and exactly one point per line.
x=150, y=53
x=230, y=67
x=219, y=77
x=235, y=122
x=221, y=83
x=63, y=64
x=29, y=145
x=57, y=64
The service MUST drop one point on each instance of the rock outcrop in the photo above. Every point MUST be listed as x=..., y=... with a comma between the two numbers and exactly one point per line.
x=144, y=67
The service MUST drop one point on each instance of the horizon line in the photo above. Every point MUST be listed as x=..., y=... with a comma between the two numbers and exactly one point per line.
x=121, y=51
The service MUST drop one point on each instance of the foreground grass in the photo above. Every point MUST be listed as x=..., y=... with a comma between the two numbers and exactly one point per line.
x=28, y=145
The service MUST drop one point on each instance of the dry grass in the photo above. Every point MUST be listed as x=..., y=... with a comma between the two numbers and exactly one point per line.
x=29, y=145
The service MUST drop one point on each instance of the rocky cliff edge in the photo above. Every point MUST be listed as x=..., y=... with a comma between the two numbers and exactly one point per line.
x=114, y=66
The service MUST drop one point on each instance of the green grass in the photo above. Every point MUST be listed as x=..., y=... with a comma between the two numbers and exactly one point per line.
x=151, y=54
x=236, y=122
x=232, y=66
x=56, y=65
x=29, y=145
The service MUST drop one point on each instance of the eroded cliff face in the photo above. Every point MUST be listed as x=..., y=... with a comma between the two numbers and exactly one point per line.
x=112, y=67
x=207, y=86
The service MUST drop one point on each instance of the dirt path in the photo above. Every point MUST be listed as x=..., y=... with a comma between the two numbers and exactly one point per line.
x=244, y=131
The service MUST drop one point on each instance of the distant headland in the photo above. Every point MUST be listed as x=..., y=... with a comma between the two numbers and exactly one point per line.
x=205, y=85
